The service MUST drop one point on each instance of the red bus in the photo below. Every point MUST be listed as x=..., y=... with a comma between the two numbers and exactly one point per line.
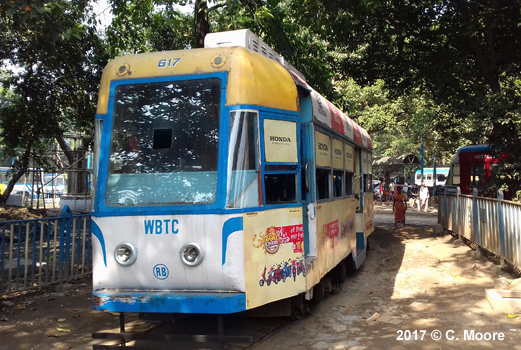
x=472, y=167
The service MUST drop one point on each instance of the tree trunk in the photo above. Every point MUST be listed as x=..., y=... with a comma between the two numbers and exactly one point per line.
x=22, y=169
x=76, y=171
x=202, y=27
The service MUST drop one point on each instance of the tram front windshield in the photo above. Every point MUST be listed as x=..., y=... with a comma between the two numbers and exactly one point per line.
x=164, y=143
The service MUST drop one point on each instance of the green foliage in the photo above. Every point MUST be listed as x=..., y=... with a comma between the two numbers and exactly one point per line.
x=442, y=73
x=148, y=25
x=53, y=65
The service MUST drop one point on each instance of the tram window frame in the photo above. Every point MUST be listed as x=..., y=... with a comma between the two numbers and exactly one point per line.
x=280, y=176
x=456, y=177
x=338, y=180
x=277, y=188
x=368, y=183
x=349, y=183
x=323, y=165
x=138, y=176
x=243, y=172
x=322, y=183
x=337, y=167
x=477, y=173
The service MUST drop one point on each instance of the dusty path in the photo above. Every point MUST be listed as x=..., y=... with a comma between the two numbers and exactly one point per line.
x=414, y=279
x=415, y=283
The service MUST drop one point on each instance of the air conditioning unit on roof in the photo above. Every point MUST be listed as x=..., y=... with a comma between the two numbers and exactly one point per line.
x=245, y=38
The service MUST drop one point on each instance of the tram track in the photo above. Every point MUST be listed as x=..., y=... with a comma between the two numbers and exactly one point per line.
x=199, y=332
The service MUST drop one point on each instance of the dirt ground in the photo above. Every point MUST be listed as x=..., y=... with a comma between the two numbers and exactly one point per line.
x=11, y=213
x=415, y=282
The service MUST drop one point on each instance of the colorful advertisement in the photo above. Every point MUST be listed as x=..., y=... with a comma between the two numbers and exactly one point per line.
x=274, y=255
x=280, y=141
x=336, y=236
x=337, y=122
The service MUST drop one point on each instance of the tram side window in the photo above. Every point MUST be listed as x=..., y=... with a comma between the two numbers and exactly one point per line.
x=477, y=172
x=281, y=156
x=455, y=174
x=243, y=164
x=368, y=183
x=338, y=179
x=350, y=176
x=280, y=188
x=323, y=183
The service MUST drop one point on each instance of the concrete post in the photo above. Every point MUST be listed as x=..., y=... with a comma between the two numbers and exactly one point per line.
x=501, y=220
x=475, y=222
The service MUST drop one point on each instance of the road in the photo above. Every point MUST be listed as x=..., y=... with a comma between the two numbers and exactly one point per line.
x=414, y=282
x=416, y=285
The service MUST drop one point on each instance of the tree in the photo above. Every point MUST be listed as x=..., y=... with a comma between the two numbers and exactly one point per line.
x=459, y=55
x=54, y=65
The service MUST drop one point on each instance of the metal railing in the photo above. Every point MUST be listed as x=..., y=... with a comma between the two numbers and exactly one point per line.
x=492, y=223
x=40, y=252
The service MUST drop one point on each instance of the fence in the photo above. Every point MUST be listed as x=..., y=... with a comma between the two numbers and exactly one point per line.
x=40, y=252
x=492, y=223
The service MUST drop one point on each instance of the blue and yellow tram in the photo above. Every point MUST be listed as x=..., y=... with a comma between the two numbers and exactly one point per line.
x=224, y=182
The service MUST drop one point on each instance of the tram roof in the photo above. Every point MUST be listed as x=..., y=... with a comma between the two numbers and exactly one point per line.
x=253, y=79
x=475, y=148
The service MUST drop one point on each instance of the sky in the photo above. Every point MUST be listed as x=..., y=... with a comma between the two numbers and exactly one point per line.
x=102, y=10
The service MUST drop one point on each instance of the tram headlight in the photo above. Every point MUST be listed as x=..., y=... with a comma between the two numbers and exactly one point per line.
x=192, y=254
x=125, y=253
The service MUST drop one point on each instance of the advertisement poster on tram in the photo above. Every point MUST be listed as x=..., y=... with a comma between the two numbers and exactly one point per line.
x=336, y=235
x=273, y=255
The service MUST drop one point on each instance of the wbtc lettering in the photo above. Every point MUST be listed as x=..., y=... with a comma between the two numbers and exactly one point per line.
x=161, y=226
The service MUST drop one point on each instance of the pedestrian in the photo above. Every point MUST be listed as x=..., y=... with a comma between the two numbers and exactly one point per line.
x=391, y=191
x=424, y=197
x=399, y=208
x=413, y=201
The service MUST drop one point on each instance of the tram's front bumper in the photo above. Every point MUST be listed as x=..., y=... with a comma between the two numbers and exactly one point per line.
x=169, y=301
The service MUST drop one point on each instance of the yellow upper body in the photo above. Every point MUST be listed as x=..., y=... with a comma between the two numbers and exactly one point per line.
x=252, y=78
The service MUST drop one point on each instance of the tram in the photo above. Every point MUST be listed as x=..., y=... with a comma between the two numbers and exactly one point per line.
x=224, y=182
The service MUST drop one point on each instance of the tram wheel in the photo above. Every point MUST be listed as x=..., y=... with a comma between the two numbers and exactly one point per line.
x=340, y=273
x=350, y=265
x=299, y=309
x=319, y=292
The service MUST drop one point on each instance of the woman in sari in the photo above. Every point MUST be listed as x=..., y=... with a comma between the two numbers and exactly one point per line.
x=399, y=208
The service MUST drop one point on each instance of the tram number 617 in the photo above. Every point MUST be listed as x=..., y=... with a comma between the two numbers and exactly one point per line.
x=168, y=63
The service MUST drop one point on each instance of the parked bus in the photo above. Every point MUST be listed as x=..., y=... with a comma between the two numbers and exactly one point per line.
x=224, y=182
x=30, y=184
x=428, y=177
x=471, y=166
x=55, y=184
